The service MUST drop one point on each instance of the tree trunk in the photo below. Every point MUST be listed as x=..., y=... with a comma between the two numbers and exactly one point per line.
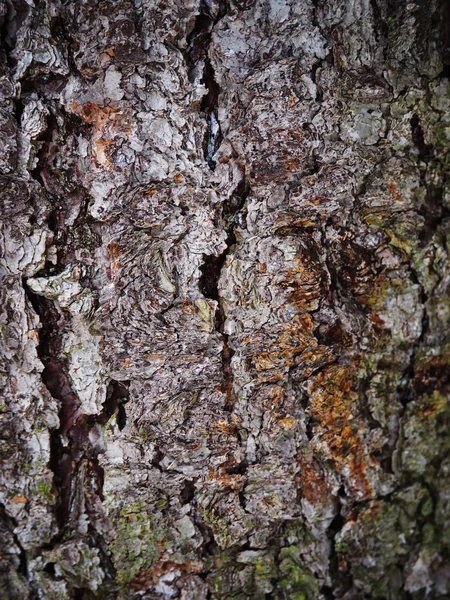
x=225, y=290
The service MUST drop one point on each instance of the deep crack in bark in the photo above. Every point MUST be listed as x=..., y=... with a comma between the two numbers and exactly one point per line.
x=232, y=213
x=73, y=449
x=198, y=42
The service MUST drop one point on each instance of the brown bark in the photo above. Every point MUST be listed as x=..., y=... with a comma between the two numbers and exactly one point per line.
x=224, y=264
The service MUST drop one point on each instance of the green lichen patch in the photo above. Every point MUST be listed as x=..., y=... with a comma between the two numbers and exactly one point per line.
x=296, y=581
x=137, y=544
x=424, y=433
x=376, y=544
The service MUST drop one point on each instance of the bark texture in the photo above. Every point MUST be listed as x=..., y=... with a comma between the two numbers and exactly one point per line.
x=225, y=290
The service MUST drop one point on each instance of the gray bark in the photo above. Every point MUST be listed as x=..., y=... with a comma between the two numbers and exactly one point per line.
x=224, y=287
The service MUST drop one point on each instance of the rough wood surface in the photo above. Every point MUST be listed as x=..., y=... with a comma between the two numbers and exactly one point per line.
x=225, y=299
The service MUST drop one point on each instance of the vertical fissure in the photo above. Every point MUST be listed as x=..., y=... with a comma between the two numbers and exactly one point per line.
x=233, y=215
x=341, y=579
x=10, y=523
x=198, y=42
x=76, y=444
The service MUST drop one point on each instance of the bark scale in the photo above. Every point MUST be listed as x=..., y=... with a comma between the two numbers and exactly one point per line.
x=224, y=262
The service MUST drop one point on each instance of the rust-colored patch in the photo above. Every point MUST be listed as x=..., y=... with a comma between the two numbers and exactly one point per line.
x=432, y=373
x=287, y=423
x=311, y=360
x=395, y=193
x=33, y=335
x=92, y=113
x=292, y=339
x=313, y=484
x=433, y=405
x=224, y=427
x=271, y=360
x=107, y=122
x=151, y=191
x=342, y=564
x=332, y=408
x=148, y=577
x=316, y=200
x=303, y=282
x=115, y=265
x=100, y=148
x=19, y=500
x=234, y=482
x=276, y=396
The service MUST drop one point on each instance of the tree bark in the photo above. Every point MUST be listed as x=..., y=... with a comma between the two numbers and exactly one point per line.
x=225, y=299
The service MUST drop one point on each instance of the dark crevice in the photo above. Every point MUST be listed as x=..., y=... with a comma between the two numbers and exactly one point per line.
x=50, y=569
x=210, y=548
x=18, y=110
x=17, y=12
x=433, y=209
x=199, y=38
x=227, y=355
x=315, y=20
x=49, y=173
x=418, y=138
x=243, y=504
x=117, y=395
x=339, y=580
x=444, y=41
x=61, y=33
x=405, y=391
x=157, y=458
x=327, y=593
x=432, y=212
x=10, y=523
x=74, y=462
x=198, y=42
x=232, y=215
x=210, y=273
x=381, y=29
x=76, y=444
x=46, y=151
x=187, y=493
x=213, y=136
x=239, y=469
x=309, y=428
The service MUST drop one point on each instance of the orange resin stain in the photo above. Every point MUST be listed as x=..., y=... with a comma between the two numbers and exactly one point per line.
x=313, y=484
x=332, y=408
x=19, y=500
x=109, y=126
x=115, y=265
x=395, y=193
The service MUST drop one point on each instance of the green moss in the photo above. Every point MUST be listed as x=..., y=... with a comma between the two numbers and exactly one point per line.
x=265, y=571
x=389, y=585
x=45, y=489
x=137, y=543
x=429, y=536
x=4, y=450
x=427, y=507
x=381, y=534
x=341, y=546
x=219, y=527
x=296, y=580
